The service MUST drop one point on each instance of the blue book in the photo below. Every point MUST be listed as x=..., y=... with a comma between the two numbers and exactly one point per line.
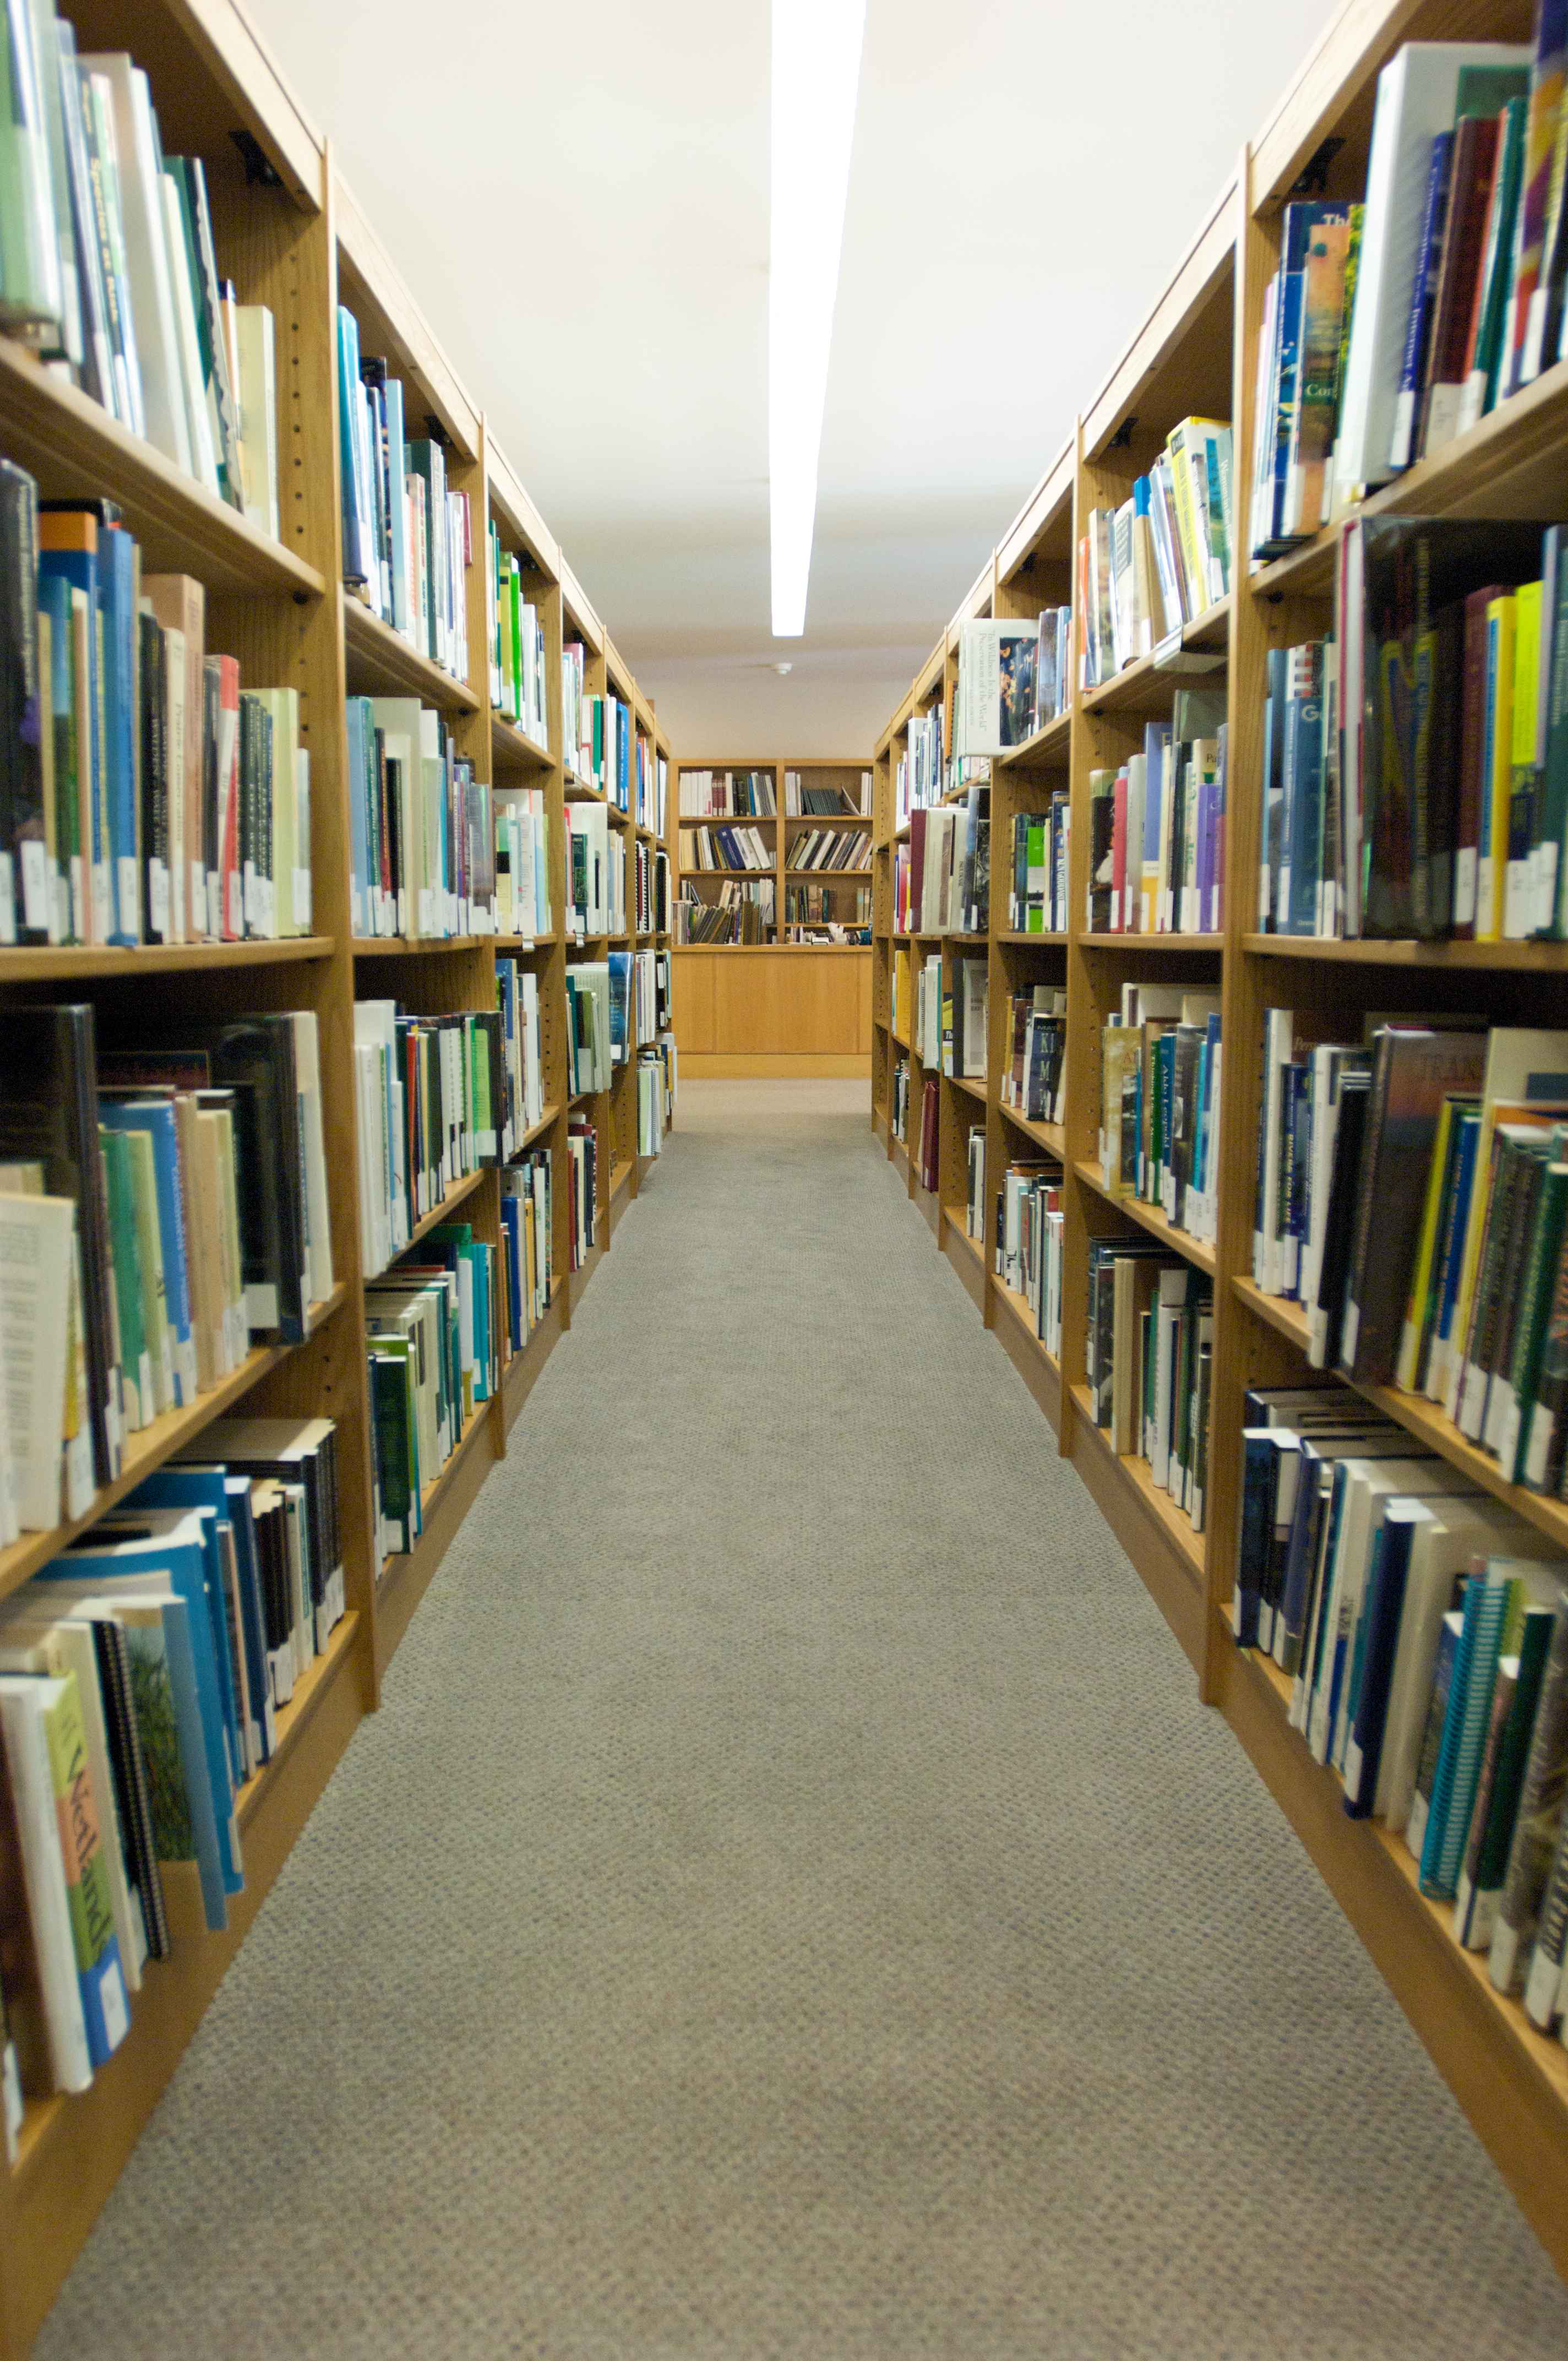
x=1423, y=297
x=356, y=555
x=397, y=470
x=1379, y=1640
x=1446, y=1823
x=118, y=657
x=1300, y=221
x=78, y=569
x=156, y=1117
x=210, y=1492
x=1303, y=816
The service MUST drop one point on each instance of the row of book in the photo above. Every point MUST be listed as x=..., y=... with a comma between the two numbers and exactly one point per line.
x=838, y=913
x=142, y=1673
x=527, y=1246
x=596, y=872
x=1156, y=841
x=950, y=867
x=145, y=795
x=1162, y=558
x=1160, y=1123
x=435, y=853
x=1033, y=1073
x=107, y=265
x=1416, y=761
x=1411, y=1196
x=733, y=849
x=1424, y=1630
x=829, y=847
x=919, y=772
x=1148, y=1351
x=604, y=755
x=582, y=1180
x=517, y=682
x=811, y=799
x=163, y=1202
x=1394, y=325
x=653, y=1097
x=1042, y=844
x=1027, y=1245
x=1013, y=678
x=742, y=912
x=408, y=538
x=438, y=1097
x=728, y=795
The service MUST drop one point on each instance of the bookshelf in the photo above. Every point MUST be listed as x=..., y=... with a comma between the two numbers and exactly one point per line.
x=293, y=238
x=780, y=1006
x=1197, y=353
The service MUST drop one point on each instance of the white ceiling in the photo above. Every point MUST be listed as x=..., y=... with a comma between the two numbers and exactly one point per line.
x=579, y=201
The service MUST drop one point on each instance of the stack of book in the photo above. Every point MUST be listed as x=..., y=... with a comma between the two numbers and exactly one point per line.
x=1028, y=1243
x=1160, y=1127
x=830, y=847
x=434, y=1359
x=590, y=1055
x=522, y=1068
x=741, y=914
x=901, y=889
x=650, y=1096
x=949, y=868
x=436, y=1101
x=919, y=776
x=162, y=1205
x=1037, y=901
x=574, y=696
x=596, y=872
x=145, y=795
x=108, y=268
x=141, y=1676
x=963, y=1017
x=734, y=849
x=527, y=1246
x=816, y=799
x=1396, y=324
x=927, y=1040
x=523, y=865
x=1034, y=1076
x=582, y=1168
x=727, y=795
x=1157, y=828
x=604, y=751
x=839, y=909
x=408, y=540
x=1148, y=1363
x=1161, y=559
x=1424, y=1630
x=517, y=643
x=424, y=842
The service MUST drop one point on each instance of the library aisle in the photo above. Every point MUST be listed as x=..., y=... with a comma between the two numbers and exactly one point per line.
x=821, y=1918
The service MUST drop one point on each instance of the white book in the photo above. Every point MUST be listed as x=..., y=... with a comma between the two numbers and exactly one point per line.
x=255, y=376
x=146, y=257
x=24, y=1700
x=192, y=382
x=37, y=1235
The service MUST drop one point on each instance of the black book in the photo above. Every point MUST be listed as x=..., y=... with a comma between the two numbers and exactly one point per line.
x=48, y=1112
x=1338, y=1227
x=133, y=1797
x=26, y=889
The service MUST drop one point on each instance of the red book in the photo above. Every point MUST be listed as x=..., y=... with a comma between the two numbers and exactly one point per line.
x=231, y=884
x=916, y=870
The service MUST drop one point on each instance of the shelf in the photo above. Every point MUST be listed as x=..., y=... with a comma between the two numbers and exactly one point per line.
x=579, y=791
x=1509, y=464
x=1032, y=943
x=967, y=1084
x=695, y=873
x=516, y=945
x=1049, y=1136
x=983, y=941
x=1048, y=746
x=828, y=820
x=536, y=1130
x=513, y=748
x=1030, y=1354
x=827, y=877
x=1149, y=1218
x=430, y=1494
x=442, y=1213
x=1149, y=686
x=902, y=1039
x=50, y=961
x=1425, y=1420
x=78, y=451
x=1135, y=1475
x=378, y=661
x=956, y=1219
x=416, y=946
x=155, y=1444
x=1212, y=944
x=619, y=1175
x=1543, y=958
x=727, y=819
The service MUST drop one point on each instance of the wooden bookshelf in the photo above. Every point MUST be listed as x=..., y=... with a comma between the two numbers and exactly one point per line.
x=300, y=244
x=1197, y=353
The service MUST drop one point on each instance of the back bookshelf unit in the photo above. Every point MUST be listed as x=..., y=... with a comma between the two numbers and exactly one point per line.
x=290, y=235
x=776, y=994
x=1198, y=355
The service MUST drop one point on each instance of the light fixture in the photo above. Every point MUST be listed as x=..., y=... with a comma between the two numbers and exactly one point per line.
x=815, y=83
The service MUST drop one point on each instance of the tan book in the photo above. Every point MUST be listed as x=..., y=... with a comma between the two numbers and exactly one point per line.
x=180, y=603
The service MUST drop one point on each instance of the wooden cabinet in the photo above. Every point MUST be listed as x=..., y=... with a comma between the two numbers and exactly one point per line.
x=777, y=1011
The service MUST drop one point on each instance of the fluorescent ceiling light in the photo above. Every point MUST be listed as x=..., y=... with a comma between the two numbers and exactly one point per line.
x=816, y=75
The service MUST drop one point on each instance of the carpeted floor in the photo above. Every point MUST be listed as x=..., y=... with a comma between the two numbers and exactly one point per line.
x=792, y=1904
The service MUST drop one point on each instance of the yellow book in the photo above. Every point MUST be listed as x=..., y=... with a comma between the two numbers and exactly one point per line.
x=1519, y=910
x=1497, y=777
x=1409, y=1362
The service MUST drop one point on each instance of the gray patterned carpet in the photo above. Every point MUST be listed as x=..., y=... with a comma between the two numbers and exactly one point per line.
x=792, y=1904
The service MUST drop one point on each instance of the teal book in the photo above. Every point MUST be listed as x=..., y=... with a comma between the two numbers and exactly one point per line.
x=1487, y=1600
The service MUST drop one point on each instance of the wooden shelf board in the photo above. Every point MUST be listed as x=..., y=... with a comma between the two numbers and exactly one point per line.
x=1046, y=747
x=727, y=819
x=1014, y=1331
x=523, y=1367
x=1147, y=687
x=1135, y=1475
x=1049, y=1136
x=1509, y=465
x=393, y=1567
x=442, y=1213
x=50, y=961
x=1422, y=1419
x=78, y=451
x=619, y=1175
x=513, y=748
x=378, y=661
x=1148, y=1217
x=1032, y=943
x=957, y=1218
x=1212, y=944
x=1546, y=957
x=155, y=1444
x=967, y=1084
x=902, y=1039
x=519, y=945
x=830, y=877
x=583, y=791
x=416, y=946
x=536, y=1130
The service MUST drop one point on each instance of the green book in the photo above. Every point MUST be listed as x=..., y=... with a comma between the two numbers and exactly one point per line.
x=1536, y=1290
x=156, y=1330
x=136, y=1369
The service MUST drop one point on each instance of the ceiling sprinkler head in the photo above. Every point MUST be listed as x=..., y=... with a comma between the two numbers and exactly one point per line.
x=783, y=668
